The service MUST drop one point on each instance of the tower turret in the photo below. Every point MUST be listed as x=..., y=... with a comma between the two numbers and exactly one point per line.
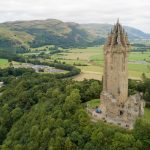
x=116, y=50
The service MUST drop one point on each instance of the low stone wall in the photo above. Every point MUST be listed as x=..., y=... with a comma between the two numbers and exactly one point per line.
x=123, y=115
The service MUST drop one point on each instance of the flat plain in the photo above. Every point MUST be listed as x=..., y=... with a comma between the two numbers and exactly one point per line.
x=90, y=61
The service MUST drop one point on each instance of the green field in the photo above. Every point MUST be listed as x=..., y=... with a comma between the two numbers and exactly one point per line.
x=139, y=56
x=90, y=61
x=4, y=63
x=93, y=58
x=42, y=48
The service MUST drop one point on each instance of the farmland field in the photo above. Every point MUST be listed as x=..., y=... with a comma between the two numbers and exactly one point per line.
x=90, y=61
x=3, y=63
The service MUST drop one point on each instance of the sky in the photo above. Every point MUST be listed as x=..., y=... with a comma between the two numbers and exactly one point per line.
x=135, y=13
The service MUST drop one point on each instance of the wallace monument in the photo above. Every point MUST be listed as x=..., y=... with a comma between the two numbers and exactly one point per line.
x=116, y=107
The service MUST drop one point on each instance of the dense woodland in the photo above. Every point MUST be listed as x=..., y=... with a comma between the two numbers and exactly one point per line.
x=40, y=111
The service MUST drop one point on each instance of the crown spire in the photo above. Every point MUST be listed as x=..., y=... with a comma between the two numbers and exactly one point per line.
x=117, y=36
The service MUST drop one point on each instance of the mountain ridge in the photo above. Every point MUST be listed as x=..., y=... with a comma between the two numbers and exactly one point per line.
x=55, y=22
x=20, y=36
x=107, y=27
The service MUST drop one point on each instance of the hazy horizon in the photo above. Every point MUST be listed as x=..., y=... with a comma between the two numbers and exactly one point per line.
x=133, y=13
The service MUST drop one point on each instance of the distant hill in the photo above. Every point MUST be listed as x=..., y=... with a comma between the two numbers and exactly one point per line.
x=102, y=30
x=49, y=32
x=12, y=42
x=19, y=36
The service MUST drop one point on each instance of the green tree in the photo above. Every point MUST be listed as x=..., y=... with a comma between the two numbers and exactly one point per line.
x=68, y=144
x=125, y=141
x=16, y=113
x=142, y=132
x=72, y=101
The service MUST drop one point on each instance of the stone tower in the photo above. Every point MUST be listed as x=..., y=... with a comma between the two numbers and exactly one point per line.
x=116, y=107
x=116, y=50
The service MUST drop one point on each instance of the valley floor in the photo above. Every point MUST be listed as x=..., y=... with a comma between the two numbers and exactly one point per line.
x=90, y=61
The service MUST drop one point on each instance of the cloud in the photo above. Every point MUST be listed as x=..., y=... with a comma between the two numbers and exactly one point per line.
x=131, y=12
